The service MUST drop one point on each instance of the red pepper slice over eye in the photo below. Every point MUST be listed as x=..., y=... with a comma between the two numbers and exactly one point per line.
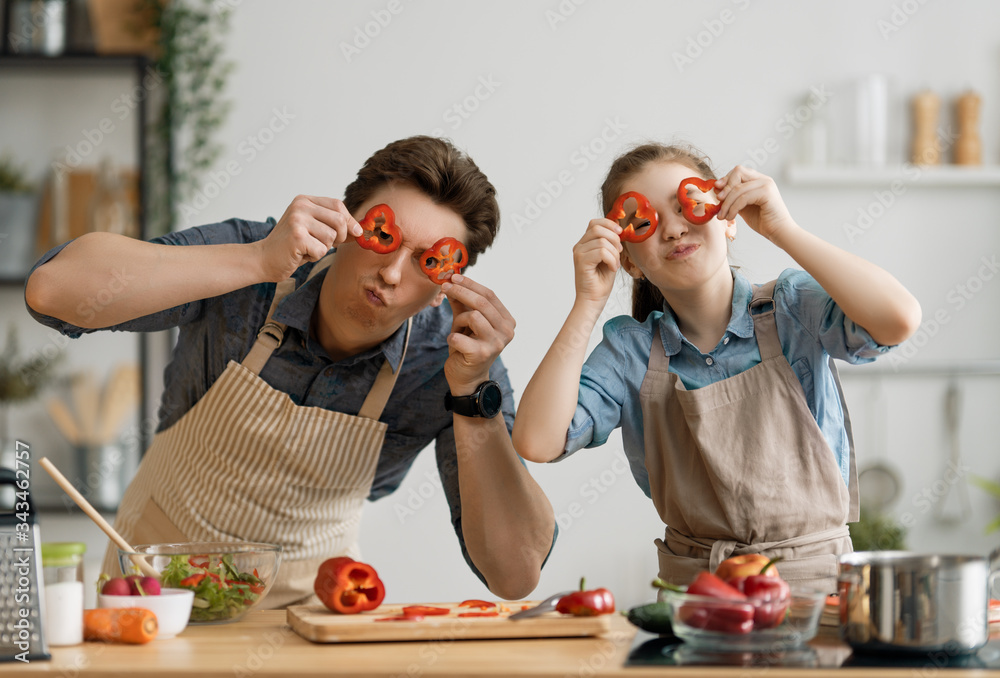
x=380, y=233
x=635, y=229
x=347, y=586
x=690, y=203
x=445, y=258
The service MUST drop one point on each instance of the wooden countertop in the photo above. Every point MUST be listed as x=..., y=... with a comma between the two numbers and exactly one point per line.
x=264, y=646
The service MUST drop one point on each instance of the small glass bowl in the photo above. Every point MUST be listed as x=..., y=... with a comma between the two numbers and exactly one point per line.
x=220, y=564
x=799, y=626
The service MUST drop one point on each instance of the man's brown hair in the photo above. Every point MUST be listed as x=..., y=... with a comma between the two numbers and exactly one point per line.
x=443, y=173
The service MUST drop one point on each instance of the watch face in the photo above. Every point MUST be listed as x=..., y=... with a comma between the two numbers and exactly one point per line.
x=490, y=400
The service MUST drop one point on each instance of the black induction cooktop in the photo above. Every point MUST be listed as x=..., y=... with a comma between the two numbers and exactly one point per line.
x=651, y=650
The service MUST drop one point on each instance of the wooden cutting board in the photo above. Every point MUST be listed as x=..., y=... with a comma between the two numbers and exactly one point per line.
x=318, y=624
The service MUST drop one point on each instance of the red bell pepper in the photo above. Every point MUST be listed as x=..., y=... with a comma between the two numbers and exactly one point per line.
x=494, y=613
x=585, y=603
x=690, y=203
x=380, y=233
x=771, y=597
x=347, y=586
x=733, y=613
x=644, y=212
x=444, y=258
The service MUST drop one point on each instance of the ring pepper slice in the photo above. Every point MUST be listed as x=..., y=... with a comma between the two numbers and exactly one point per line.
x=445, y=258
x=380, y=233
x=347, y=586
x=690, y=203
x=643, y=211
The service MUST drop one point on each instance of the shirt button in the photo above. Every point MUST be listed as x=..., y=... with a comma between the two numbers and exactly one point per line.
x=726, y=340
x=328, y=371
x=709, y=361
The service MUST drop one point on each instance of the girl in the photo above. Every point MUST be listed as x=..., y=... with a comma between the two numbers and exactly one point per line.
x=731, y=411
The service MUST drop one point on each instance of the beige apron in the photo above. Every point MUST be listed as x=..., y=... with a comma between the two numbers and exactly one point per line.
x=741, y=466
x=246, y=463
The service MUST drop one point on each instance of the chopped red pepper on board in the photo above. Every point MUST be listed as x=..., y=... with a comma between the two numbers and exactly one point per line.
x=481, y=604
x=380, y=233
x=646, y=217
x=424, y=611
x=690, y=203
x=444, y=258
x=401, y=618
x=494, y=613
x=347, y=586
x=585, y=603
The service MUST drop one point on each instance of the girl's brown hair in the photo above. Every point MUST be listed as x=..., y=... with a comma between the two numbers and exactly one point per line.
x=443, y=173
x=645, y=297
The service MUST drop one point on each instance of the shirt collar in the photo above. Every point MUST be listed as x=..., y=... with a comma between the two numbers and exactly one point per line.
x=296, y=310
x=740, y=321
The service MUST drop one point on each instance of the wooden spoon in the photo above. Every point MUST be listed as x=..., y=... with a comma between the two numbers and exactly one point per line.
x=85, y=506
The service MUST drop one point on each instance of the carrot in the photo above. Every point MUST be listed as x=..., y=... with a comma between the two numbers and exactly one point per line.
x=123, y=625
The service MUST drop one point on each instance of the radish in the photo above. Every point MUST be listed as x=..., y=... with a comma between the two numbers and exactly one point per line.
x=116, y=587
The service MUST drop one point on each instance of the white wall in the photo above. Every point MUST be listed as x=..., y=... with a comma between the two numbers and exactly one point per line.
x=540, y=86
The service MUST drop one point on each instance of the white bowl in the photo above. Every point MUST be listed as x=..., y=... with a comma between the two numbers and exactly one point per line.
x=172, y=608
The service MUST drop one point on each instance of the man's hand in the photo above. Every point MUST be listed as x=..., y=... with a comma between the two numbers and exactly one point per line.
x=309, y=228
x=482, y=327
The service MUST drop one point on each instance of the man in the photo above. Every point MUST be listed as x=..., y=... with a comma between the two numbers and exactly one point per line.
x=281, y=414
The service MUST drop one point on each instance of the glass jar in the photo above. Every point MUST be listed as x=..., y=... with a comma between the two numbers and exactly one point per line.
x=62, y=576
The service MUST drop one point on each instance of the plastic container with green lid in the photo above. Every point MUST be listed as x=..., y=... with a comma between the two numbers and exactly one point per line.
x=62, y=572
x=63, y=561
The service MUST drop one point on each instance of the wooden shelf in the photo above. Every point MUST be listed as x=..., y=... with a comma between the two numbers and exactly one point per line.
x=848, y=176
x=87, y=61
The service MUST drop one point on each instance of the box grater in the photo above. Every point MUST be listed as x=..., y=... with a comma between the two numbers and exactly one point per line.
x=21, y=635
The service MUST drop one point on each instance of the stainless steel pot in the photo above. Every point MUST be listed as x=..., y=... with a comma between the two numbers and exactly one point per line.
x=908, y=602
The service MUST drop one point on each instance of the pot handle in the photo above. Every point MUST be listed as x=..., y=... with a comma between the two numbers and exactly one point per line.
x=994, y=571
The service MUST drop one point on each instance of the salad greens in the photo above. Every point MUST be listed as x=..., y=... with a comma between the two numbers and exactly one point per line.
x=221, y=591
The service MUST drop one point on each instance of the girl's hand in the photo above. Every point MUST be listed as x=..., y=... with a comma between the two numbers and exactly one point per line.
x=753, y=196
x=596, y=261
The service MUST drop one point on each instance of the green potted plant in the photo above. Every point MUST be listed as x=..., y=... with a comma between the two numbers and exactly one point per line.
x=18, y=212
x=21, y=379
x=993, y=488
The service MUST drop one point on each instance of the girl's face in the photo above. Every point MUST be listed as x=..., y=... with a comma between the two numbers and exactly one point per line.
x=679, y=256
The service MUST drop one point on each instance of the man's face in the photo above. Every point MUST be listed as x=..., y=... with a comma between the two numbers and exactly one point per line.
x=367, y=296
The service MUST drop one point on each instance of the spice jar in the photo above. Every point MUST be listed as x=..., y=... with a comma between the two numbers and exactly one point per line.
x=62, y=575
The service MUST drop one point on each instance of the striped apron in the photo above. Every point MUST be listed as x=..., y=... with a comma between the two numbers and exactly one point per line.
x=741, y=466
x=246, y=463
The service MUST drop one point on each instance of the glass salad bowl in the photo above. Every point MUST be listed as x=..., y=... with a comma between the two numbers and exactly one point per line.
x=228, y=578
x=715, y=624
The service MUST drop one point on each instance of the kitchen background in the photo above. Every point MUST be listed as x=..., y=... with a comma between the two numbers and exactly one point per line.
x=544, y=94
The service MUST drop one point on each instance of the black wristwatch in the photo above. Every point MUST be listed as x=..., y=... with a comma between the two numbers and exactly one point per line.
x=485, y=402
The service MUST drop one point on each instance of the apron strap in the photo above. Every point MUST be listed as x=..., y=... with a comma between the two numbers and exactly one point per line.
x=767, y=341
x=854, y=508
x=658, y=360
x=378, y=396
x=272, y=333
x=764, y=327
